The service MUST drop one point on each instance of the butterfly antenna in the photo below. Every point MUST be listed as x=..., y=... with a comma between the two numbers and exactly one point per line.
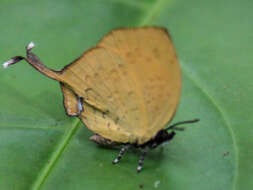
x=174, y=126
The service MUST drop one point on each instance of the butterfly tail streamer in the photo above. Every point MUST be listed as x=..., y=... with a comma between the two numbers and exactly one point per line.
x=35, y=62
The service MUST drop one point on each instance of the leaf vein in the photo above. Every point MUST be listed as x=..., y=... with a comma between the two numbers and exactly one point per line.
x=56, y=155
x=221, y=112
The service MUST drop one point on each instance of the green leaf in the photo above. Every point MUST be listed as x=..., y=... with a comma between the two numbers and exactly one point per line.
x=42, y=148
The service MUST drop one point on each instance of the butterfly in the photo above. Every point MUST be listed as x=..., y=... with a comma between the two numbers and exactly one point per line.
x=126, y=89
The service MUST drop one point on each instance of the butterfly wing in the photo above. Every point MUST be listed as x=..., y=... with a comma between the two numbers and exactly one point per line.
x=155, y=70
x=70, y=101
x=110, y=102
x=130, y=84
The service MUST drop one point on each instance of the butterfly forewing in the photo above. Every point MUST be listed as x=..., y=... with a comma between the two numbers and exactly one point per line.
x=154, y=68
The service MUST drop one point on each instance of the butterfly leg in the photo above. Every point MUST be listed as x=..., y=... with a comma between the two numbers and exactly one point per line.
x=121, y=153
x=141, y=160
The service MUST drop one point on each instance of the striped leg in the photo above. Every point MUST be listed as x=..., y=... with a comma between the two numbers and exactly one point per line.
x=121, y=153
x=141, y=160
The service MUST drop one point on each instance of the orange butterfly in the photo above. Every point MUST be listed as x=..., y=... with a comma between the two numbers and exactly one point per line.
x=125, y=90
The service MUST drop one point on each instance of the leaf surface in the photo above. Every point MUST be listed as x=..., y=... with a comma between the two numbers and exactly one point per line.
x=42, y=148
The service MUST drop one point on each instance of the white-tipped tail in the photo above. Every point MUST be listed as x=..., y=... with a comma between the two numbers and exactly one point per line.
x=7, y=63
x=30, y=45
